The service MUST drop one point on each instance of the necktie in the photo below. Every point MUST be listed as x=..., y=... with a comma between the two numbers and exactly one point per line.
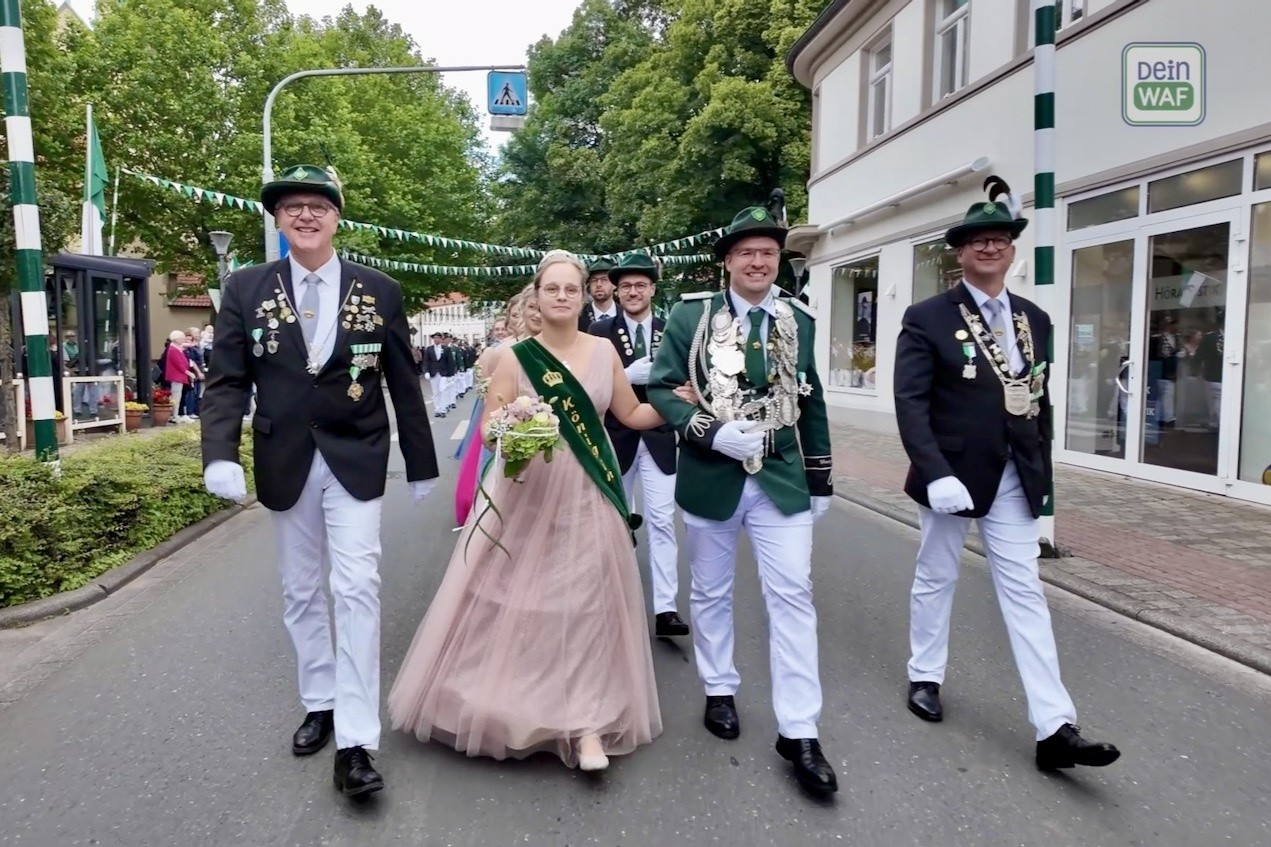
x=639, y=342
x=309, y=308
x=756, y=369
x=996, y=323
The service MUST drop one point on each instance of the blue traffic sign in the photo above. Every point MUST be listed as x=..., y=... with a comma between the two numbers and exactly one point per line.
x=508, y=93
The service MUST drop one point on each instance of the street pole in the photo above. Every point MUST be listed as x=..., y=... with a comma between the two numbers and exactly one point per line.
x=267, y=170
x=26, y=230
x=1044, y=209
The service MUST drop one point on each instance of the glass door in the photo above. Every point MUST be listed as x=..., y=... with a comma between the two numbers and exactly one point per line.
x=1185, y=367
x=1148, y=358
x=1103, y=396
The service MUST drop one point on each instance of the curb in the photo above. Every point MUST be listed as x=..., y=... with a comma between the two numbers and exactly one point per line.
x=1198, y=634
x=116, y=578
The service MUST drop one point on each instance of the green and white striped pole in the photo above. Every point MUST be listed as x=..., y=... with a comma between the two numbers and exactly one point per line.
x=1044, y=203
x=26, y=229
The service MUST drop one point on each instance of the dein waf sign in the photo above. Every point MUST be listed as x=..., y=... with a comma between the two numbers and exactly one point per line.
x=1163, y=84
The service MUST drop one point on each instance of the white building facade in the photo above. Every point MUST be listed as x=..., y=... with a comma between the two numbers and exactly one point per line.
x=464, y=319
x=1162, y=294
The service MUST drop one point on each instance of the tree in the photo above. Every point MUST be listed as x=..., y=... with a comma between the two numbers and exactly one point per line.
x=551, y=189
x=657, y=119
x=59, y=170
x=179, y=86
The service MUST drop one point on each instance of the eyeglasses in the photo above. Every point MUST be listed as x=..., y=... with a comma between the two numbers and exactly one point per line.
x=767, y=255
x=572, y=292
x=318, y=210
x=981, y=243
x=640, y=287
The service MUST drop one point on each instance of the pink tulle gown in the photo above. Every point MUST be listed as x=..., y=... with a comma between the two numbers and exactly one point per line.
x=534, y=649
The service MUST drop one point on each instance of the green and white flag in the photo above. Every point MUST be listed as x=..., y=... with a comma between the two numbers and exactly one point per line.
x=95, y=181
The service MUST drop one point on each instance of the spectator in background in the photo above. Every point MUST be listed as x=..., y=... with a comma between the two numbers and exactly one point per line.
x=176, y=371
x=194, y=353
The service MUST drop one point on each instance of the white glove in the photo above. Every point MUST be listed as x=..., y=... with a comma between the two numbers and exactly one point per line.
x=638, y=371
x=820, y=505
x=736, y=441
x=225, y=479
x=948, y=495
x=419, y=488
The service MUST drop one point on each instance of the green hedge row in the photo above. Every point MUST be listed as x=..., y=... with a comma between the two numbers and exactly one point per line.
x=112, y=501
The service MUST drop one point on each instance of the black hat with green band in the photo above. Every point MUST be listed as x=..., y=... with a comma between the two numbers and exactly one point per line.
x=634, y=263
x=755, y=221
x=1004, y=215
x=303, y=179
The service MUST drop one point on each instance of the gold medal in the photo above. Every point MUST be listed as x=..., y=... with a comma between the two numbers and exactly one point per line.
x=355, y=391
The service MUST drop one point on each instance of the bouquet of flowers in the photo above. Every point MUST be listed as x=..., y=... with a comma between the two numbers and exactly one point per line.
x=517, y=432
x=521, y=430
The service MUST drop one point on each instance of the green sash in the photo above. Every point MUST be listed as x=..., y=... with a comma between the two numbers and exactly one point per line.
x=580, y=425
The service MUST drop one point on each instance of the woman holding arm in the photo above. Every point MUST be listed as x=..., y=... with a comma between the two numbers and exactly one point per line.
x=537, y=638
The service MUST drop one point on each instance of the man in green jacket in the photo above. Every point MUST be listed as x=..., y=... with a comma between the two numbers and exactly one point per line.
x=754, y=453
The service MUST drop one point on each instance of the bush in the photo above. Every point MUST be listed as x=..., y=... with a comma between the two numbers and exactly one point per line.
x=112, y=501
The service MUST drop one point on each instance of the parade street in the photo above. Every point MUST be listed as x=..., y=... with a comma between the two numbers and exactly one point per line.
x=163, y=716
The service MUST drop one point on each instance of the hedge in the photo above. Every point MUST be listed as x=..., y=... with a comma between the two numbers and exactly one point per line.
x=112, y=501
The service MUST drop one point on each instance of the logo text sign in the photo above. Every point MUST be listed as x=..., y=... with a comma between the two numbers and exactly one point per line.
x=1163, y=84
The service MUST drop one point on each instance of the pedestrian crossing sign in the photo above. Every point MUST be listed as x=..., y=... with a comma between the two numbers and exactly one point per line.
x=508, y=93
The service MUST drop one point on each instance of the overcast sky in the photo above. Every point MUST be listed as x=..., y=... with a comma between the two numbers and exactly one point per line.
x=454, y=32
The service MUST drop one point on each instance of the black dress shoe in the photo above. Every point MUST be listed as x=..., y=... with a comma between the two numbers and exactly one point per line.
x=354, y=773
x=924, y=701
x=811, y=769
x=314, y=733
x=670, y=623
x=1066, y=749
x=721, y=717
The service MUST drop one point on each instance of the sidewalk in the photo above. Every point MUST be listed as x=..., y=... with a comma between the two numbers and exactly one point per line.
x=1195, y=565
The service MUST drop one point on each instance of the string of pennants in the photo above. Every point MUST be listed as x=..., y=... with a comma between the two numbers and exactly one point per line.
x=467, y=270
x=489, y=270
x=220, y=198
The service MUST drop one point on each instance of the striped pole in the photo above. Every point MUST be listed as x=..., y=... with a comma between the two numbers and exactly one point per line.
x=1044, y=203
x=26, y=229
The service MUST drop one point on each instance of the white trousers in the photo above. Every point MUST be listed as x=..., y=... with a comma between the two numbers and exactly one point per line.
x=440, y=402
x=328, y=522
x=782, y=546
x=657, y=492
x=1010, y=534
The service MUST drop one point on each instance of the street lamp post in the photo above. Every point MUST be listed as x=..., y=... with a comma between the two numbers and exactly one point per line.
x=220, y=243
x=267, y=171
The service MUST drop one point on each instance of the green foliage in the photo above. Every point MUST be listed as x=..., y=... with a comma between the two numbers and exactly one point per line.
x=655, y=119
x=178, y=88
x=112, y=501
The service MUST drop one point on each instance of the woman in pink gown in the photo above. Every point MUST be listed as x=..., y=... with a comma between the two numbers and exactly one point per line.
x=541, y=644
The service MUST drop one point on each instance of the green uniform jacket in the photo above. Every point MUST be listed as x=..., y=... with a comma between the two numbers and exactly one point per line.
x=708, y=483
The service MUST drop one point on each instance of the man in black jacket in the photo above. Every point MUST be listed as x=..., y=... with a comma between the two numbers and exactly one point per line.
x=318, y=336
x=648, y=455
x=974, y=412
x=600, y=289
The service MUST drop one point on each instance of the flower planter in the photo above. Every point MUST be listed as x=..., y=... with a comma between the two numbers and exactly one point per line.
x=132, y=419
x=160, y=415
x=62, y=428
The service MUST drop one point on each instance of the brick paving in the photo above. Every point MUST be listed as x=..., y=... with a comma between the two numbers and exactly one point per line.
x=1194, y=564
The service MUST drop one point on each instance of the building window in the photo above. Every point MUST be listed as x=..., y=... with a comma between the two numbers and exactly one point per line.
x=879, y=65
x=1067, y=12
x=1262, y=172
x=854, y=324
x=936, y=269
x=952, y=34
x=1104, y=209
x=1198, y=186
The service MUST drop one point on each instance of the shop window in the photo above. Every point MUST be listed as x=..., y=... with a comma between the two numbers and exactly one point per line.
x=936, y=269
x=1104, y=209
x=1262, y=172
x=854, y=324
x=1198, y=186
x=1255, y=435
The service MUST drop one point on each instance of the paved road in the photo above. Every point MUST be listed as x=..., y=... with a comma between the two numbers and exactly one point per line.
x=163, y=715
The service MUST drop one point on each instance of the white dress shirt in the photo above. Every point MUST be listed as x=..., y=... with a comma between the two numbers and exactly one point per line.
x=742, y=308
x=1008, y=342
x=328, y=303
x=647, y=323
